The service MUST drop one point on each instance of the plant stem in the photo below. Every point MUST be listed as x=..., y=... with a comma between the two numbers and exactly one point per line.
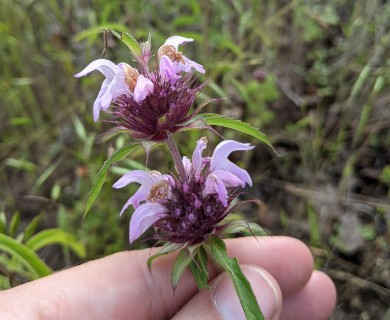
x=176, y=157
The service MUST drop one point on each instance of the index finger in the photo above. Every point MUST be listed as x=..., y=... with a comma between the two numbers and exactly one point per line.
x=120, y=285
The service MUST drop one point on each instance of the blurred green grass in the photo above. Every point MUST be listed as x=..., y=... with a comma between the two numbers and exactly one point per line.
x=313, y=75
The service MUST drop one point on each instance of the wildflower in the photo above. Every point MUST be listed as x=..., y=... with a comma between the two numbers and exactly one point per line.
x=173, y=62
x=166, y=108
x=120, y=80
x=187, y=210
x=148, y=104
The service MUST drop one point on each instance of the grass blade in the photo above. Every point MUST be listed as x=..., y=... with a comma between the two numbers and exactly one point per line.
x=26, y=255
x=56, y=236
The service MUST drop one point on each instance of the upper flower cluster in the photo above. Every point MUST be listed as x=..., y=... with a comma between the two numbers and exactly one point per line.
x=148, y=103
x=187, y=211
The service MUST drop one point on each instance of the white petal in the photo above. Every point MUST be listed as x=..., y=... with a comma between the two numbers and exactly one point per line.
x=97, y=105
x=138, y=176
x=113, y=86
x=107, y=67
x=106, y=98
x=176, y=41
x=144, y=217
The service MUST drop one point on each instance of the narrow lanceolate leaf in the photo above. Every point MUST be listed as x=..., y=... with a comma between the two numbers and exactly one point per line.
x=224, y=121
x=31, y=228
x=242, y=225
x=14, y=224
x=130, y=42
x=183, y=260
x=3, y=223
x=102, y=174
x=217, y=250
x=198, y=268
x=25, y=255
x=168, y=248
x=56, y=236
x=204, y=104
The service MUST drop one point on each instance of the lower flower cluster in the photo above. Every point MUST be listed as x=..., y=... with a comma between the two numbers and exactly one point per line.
x=187, y=209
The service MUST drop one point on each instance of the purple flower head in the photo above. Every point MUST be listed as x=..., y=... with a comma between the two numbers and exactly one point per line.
x=166, y=108
x=120, y=80
x=149, y=104
x=187, y=211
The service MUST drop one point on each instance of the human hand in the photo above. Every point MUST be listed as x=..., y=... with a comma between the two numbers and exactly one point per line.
x=120, y=286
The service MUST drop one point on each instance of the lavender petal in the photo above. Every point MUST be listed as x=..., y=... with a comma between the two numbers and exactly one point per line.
x=197, y=159
x=144, y=217
x=143, y=88
x=229, y=179
x=214, y=185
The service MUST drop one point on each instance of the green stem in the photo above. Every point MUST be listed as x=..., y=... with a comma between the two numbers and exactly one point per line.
x=176, y=157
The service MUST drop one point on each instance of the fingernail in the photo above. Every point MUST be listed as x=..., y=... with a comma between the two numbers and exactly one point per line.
x=264, y=287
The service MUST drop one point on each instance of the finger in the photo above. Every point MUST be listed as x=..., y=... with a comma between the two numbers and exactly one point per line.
x=115, y=287
x=221, y=302
x=315, y=301
x=121, y=284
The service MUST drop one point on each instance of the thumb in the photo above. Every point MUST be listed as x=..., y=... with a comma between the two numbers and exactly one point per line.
x=222, y=301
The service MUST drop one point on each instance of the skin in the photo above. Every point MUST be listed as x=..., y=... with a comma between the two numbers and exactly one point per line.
x=120, y=286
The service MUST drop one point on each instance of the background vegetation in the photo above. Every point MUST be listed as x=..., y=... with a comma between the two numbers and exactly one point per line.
x=313, y=75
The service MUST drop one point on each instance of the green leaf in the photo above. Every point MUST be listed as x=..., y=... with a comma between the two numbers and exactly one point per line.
x=198, y=268
x=48, y=172
x=363, y=76
x=31, y=227
x=3, y=223
x=213, y=119
x=27, y=256
x=80, y=129
x=217, y=250
x=168, y=248
x=183, y=260
x=14, y=224
x=21, y=164
x=257, y=230
x=230, y=217
x=130, y=42
x=235, y=226
x=102, y=174
x=56, y=236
